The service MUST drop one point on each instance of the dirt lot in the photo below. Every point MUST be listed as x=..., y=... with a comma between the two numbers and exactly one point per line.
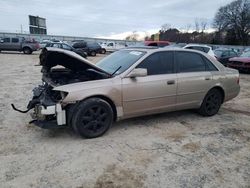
x=180, y=149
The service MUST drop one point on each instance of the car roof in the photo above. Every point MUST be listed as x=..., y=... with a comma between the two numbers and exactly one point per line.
x=200, y=45
x=158, y=49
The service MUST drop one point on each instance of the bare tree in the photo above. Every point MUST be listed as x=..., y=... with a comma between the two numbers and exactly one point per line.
x=235, y=16
x=165, y=27
x=197, y=25
x=188, y=27
x=203, y=24
x=133, y=37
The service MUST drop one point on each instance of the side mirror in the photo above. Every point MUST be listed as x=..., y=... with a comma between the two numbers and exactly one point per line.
x=138, y=72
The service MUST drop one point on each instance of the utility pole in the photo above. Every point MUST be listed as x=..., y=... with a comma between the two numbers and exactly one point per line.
x=21, y=28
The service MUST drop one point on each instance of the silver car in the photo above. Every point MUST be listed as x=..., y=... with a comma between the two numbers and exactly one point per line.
x=128, y=83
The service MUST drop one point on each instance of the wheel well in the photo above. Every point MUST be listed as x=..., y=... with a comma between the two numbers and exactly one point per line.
x=27, y=47
x=111, y=103
x=221, y=91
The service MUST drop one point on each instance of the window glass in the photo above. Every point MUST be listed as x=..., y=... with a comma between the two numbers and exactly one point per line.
x=232, y=53
x=120, y=61
x=159, y=63
x=66, y=47
x=14, y=40
x=79, y=45
x=210, y=65
x=190, y=62
x=206, y=50
x=56, y=45
x=110, y=44
x=153, y=44
x=225, y=54
x=6, y=40
x=162, y=44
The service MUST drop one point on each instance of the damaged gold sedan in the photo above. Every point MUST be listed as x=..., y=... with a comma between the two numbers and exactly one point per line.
x=128, y=83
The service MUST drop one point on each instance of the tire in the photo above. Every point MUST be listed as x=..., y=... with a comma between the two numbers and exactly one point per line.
x=93, y=118
x=93, y=53
x=103, y=51
x=27, y=50
x=211, y=103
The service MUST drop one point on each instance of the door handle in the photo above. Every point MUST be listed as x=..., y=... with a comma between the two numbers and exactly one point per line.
x=207, y=78
x=170, y=82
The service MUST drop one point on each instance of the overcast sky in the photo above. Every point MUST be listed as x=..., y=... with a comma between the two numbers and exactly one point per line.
x=109, y=18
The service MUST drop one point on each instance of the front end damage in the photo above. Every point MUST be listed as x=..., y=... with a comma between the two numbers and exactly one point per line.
x=59, y=67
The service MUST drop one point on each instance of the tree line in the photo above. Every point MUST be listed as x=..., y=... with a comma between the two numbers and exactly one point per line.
x=231, y=24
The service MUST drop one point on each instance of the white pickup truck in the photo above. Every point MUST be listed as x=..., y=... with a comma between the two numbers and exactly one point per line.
x=112, y=46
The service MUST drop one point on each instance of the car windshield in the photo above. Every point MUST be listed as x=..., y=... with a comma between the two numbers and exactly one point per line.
x=121, y=60
x=218, y=53
x=246, y=54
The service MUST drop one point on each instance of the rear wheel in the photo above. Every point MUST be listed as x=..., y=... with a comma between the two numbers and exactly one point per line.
x=103, y=51
x=27, y=50
x=93, y=53
x=211, y=103
x=93, y=118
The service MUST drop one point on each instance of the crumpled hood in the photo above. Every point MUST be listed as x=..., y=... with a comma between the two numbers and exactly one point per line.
x=51, y=57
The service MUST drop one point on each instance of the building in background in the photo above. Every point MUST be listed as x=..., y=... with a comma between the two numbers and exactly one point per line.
x=37, y=25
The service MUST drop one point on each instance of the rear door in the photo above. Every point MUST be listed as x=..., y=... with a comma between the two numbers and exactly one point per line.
x=193, y=77
x=15, y=44
x=155, y=92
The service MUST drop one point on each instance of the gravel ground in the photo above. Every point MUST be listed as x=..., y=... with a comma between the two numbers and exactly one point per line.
x=180, y=149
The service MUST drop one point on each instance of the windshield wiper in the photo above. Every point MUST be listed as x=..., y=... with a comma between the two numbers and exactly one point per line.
x=116, y=70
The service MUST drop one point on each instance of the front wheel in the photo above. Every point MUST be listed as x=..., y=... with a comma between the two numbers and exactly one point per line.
x=27, y=50
x=211, y=103
x=93, y=118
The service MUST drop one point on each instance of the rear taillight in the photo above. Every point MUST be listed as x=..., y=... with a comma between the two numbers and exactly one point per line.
x=238, y=80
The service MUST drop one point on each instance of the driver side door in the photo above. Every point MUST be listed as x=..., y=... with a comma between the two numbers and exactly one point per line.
x=155, y=92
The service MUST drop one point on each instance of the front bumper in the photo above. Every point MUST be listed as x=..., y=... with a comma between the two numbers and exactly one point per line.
x=49, y=117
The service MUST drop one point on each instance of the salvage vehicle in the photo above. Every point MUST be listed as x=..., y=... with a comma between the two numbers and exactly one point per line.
x=223, y=55
x=18, y=44
x=90, y=48
x=128, y=83
x=202, y=48
x=113, y=46
x=241, y=63
x=67, y=47
x=157, y=43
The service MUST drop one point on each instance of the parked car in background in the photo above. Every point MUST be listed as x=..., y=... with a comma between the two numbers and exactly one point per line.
x=128, y=83
x=157, y=43
x=246, y=50
x=43, y=43
x=241, y=63
x=66, y=47
x=113, y=46
x=202, y=48
x=90, y=48
x=223, y=55
x=176, y=45
x=18, y=44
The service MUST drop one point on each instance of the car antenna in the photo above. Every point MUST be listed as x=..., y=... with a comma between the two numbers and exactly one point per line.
x=116, y=71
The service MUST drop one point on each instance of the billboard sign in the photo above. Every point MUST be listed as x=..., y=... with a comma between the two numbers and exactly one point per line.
x=37, y=25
